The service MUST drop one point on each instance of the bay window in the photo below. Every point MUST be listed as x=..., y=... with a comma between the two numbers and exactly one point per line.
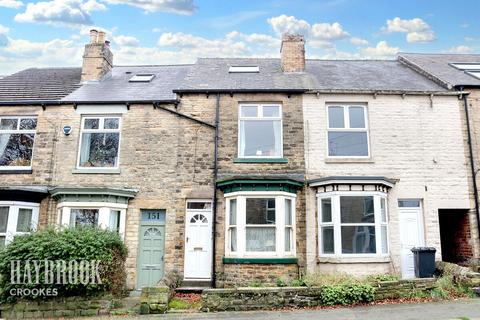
x=260, y=224
x=260, y=131
x=352, y=224
x=99, y=142
x=16, y=218
x=110, y=216
x=17, y=135
x=347, y=131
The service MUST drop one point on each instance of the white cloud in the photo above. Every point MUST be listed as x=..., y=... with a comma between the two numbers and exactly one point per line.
x=381, y=51
x=186, y=7
x=3, y=29
x=358, y=41
x=71, y=13
x=3, y=36
x=12, y=4
x=416, y=29
x=127, y=41
x=460, y=49
x=290, y=24
x=328, y=32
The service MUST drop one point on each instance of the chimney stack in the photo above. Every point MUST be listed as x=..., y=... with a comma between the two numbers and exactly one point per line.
x=293, y=53
x=97, y=58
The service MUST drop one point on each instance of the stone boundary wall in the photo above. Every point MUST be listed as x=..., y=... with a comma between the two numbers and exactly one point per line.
x=57, y=307
x=242, y=299
x=155, y=299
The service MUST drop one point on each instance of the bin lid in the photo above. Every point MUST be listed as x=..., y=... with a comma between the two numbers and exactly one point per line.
x=424, y=249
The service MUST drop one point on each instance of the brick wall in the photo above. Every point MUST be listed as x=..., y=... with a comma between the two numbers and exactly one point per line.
x=412, y=141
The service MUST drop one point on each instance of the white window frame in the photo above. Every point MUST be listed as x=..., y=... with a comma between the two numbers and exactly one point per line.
x=64, y=210
x=259, y=117
x=279, y=226
x=100, y=130
x=336, y=223
x=18, y=131
x=346, y=128
x=14, y=207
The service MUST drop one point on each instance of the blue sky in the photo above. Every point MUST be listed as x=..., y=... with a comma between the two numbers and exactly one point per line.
x=53, y=32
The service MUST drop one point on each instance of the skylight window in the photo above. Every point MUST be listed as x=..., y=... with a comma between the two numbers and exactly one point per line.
x=244, y=69
x=466, y=66
x=476, y=74
x=142, y=78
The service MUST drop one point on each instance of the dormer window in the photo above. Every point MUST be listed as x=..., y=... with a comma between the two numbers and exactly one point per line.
x=142, y=78
x=244, y=69
x=476, y=74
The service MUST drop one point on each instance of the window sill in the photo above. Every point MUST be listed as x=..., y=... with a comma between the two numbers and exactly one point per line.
x=349, y=160
x=16, y=171
x=96, y=171
x=227, y=260
x=339, y=260
x=260, y=160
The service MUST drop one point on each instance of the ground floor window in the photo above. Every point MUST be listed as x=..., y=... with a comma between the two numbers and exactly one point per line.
x=108, y=216
x=352, y=223
x=16, y=218
x=260, y=224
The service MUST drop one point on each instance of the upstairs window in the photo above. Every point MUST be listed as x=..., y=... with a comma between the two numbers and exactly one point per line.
x=347, y=131
x=260, y=131
x=17, y=135
x=99, y=142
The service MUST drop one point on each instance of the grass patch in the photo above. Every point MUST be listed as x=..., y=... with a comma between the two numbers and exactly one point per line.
x=382, y=277
x=319, y=279
x=186, y=301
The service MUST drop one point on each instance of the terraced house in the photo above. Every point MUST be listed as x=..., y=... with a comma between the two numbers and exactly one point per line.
x=228, y=171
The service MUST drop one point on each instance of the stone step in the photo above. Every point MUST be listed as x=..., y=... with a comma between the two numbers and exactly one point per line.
x=190, y=289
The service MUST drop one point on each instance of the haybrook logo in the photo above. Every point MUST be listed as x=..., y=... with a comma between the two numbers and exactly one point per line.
x=47, y=272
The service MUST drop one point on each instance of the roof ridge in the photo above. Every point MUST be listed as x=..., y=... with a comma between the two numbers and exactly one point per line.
x=155, y=65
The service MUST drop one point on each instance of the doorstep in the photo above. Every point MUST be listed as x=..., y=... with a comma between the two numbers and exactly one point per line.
x=193, y=286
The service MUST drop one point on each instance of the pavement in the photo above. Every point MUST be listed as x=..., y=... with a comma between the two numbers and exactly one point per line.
x=463, y=309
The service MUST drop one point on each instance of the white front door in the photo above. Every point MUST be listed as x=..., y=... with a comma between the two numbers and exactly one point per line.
x=411, y=233
x=198, y=241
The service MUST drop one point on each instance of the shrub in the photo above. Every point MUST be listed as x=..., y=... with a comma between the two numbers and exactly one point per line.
x=67, y=244
x=346, y=294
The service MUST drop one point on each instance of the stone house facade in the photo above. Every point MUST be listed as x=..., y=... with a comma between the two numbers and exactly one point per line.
x=219, y=173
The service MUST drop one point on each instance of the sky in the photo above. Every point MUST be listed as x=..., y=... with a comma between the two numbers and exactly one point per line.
x=52, y=33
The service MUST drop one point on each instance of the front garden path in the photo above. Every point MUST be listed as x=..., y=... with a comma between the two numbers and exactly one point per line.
x=464, y=309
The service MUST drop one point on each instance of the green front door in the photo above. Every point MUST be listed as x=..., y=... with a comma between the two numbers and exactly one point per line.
x=151, y=252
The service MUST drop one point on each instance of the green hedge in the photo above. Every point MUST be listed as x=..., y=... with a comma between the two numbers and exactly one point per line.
x=71, y=244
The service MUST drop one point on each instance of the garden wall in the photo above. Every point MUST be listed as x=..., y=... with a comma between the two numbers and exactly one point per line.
x=57, y=307
x=241, y=299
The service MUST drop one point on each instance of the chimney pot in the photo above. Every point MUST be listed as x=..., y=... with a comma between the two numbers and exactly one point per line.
x=93, y=36
x=107, y=43
x=292, y=53
x=101, y=37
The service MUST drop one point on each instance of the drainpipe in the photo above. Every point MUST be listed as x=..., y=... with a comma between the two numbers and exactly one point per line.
x=214, y=202
x=472, y=165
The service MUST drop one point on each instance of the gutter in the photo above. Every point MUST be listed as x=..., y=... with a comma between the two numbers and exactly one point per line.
x=472, y=164
x=232, y=91
x=388, y=92
x=156, y=104
x=215, y=174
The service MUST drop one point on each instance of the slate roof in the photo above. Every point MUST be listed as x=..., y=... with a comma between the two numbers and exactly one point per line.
x=437, y=66
x=367, y=75
x=116, y=86
x=212, y=74
x=39, y=84
x=323, y=75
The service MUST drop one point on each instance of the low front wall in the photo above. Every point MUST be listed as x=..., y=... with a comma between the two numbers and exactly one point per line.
x=242, y=299
x=235, y=275
x=58, y=307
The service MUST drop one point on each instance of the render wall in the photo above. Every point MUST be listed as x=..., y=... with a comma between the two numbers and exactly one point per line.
x=417, y=143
